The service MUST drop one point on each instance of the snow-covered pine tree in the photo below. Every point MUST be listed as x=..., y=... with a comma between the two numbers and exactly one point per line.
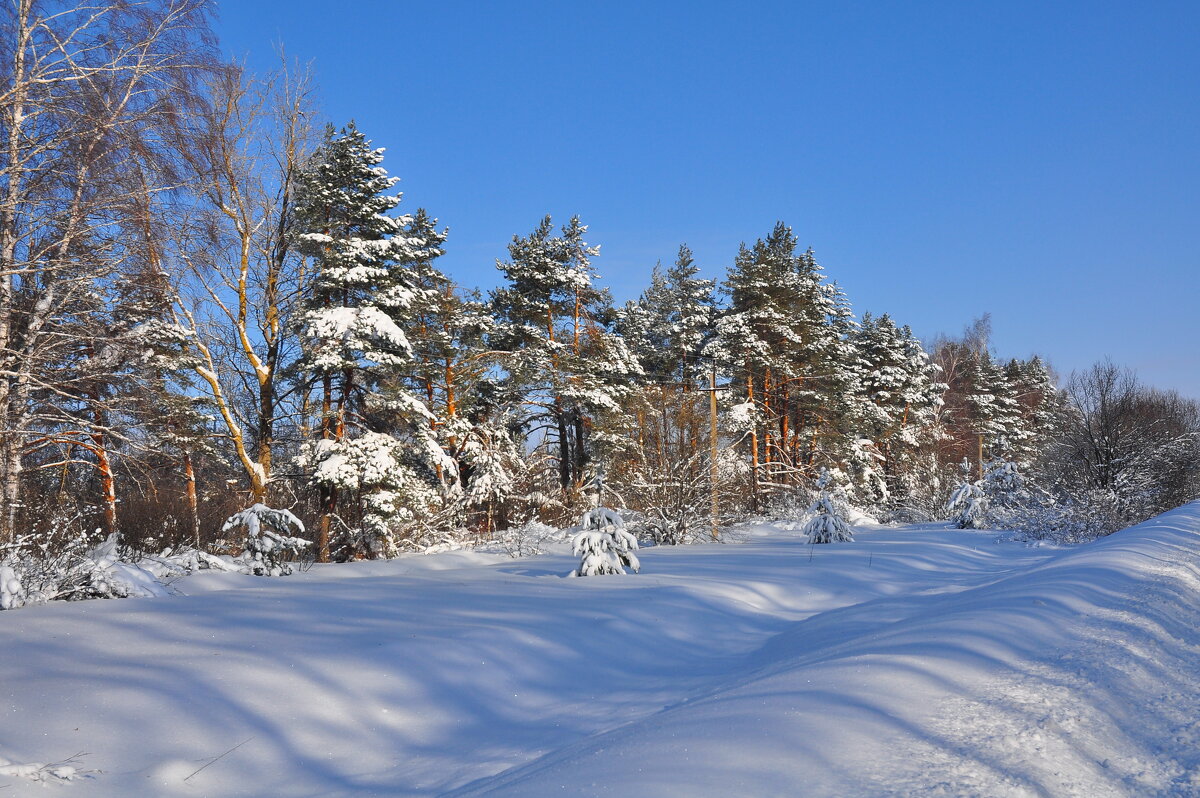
x=669, y=324
x=355, y=346
x=645, y=326
x=272, y=537
x=1021, y=441
x=899, y=394
x=967, y=507
x=992, y=409
x=828, y=524
x=604, y=545
x=1010, y=499
x=493, y=463
x=561, y=361
x=665, y=470
x=170, y=409
x=1042, y=407
x=693, y=315
x=454, y=373
x=781, y=340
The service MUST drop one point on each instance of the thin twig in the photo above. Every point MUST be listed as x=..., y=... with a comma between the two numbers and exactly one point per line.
x=219, y=758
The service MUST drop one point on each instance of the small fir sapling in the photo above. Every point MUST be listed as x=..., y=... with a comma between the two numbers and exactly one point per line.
x=968, y=504
x=829, y=525
x=1007, y=494
x=603, y=544
x=271, y=535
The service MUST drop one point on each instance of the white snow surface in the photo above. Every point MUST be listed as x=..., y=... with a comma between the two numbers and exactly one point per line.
x=914, y=661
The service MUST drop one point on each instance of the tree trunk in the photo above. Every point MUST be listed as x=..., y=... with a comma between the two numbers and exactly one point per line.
x=564, y=447
x=12, y=486
x=10, y=442
x=108, y=484
x=768, y=425
x=189, y=476
x=581, y=452
x=328, y=508
x=753, y=444
x=328, y=495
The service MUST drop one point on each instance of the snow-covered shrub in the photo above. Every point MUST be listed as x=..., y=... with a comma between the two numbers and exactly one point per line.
x=1085, y=516
x=1068, y=518
x=791, y=505
x=12, y=593
x=829, y=523
x=37, y=569
x=675, y=507
x=174, y=563
x=1004, y=499
x=527, y=539
x=271, y=539
x=667, y=492
x=604, y=545
x=435, y=533
x=34, y=572
x=112, y=577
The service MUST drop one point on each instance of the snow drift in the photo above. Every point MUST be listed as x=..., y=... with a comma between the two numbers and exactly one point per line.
x=917, y=660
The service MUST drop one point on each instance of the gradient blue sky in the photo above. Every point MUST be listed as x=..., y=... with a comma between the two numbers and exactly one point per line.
x=1039, y=161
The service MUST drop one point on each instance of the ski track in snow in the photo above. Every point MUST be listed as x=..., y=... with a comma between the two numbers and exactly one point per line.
x=915, y=662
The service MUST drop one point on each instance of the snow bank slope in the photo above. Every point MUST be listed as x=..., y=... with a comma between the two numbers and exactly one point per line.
x=1078, y=677
x=913, y=657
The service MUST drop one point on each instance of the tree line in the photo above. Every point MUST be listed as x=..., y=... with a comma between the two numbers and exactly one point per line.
x=210, y=300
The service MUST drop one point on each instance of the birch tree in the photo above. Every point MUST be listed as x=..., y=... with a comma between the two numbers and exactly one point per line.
x=87, y=93
x=243, y=282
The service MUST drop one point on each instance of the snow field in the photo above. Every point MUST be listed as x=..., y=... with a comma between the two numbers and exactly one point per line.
x=916, y=661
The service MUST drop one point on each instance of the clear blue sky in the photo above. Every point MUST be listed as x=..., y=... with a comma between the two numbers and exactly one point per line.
x=1040, y=161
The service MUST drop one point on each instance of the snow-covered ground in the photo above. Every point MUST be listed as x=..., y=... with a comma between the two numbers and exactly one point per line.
x=915, y=661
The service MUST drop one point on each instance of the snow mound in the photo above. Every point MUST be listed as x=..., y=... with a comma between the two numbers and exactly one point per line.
x=40, y=772
x=1074, y=678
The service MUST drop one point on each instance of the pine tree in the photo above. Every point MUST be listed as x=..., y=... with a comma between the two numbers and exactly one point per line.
x=603, y=545
x=1009, y=498
x=560, y=358
x=828, y=524
x=355, y=347
x=693, y=314
x=1042, y=407
x=782, y=340
x=645, y=326
x=898, y=392
x=993, y=413
x=667, y=329
x=669, y=325
x=967, y=507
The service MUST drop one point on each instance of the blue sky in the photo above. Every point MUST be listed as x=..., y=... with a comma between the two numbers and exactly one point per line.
x=1038, y=161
